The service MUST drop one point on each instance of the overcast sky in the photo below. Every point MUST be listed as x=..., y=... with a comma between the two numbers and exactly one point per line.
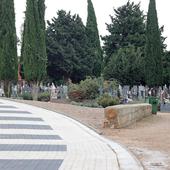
x=103, y=9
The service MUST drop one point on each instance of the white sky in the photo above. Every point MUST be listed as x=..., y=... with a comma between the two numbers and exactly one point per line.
x=103, y=8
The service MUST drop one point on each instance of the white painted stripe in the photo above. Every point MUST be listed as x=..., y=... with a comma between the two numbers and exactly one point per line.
x=28, y=131
x=31, y=155
x=31, y=141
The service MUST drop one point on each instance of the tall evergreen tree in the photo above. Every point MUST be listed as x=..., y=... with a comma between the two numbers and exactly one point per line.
x=34, y=48
x=67, y=48
x=124, y=46
x=127, y=28
x=126, y=66
x=93, y=40
x=153, y=50
x=166, y=67
x=8, y=45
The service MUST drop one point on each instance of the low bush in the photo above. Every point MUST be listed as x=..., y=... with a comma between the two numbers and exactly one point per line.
x=27, y=96
x=75, y=93
x=45, y=96
x=106, y=100
x=90, y=87
x=88, y=103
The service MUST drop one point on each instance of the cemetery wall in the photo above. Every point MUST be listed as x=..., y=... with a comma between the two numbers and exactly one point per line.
x=120, y=116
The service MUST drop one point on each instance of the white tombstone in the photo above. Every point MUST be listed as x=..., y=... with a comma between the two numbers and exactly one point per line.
x=141, y=91
x=120, y=90
x=53, y=91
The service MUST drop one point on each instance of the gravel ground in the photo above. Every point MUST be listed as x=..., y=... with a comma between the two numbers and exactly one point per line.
x=148, y=139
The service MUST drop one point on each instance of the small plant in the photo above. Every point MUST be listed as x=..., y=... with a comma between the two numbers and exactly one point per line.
x=106, y=100
x=87, y=103
x=45, y=96
x=75, y=93
x=27, y=96
x=90, y=87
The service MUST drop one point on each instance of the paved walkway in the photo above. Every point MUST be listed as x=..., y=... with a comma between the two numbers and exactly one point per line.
x=33, y=138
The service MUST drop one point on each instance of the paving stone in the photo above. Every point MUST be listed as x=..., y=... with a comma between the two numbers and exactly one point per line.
x=30, y=164
x=25, y=126
x=15, y=111
x=30, y=147
x=27, y=136
x=20, y=118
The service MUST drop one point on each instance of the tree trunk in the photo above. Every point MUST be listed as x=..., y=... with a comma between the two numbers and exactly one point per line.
x=7, y=88
x=35, y=90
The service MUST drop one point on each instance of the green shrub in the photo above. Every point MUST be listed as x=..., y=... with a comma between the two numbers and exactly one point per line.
x=106, y=100
x=88, y=103
x=87, y=89
x=90, y=87
x=45, y=96
x=27, y=96
x=75, y=93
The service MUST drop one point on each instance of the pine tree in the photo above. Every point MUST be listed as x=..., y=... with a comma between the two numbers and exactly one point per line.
x=34, y=48
x=8, y=45
x=93, y=40
x=153, y=50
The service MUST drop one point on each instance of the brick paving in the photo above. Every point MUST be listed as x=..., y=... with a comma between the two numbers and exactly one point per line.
x=32, y=138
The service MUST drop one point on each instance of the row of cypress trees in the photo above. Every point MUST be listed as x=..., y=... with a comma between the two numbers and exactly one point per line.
x=33, y=46
x=33, y=52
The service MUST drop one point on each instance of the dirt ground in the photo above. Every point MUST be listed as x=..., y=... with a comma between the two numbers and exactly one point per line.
x=148, y=139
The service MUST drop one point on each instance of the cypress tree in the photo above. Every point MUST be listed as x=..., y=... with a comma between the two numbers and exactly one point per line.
x=153, y=50
x=8, y=45
x=34, y=48
x=93, y=40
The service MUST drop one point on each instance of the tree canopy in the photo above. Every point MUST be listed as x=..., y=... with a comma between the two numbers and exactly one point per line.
x=126, y=66
x=68, y=53
x=127, y=28
x=124, y=46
